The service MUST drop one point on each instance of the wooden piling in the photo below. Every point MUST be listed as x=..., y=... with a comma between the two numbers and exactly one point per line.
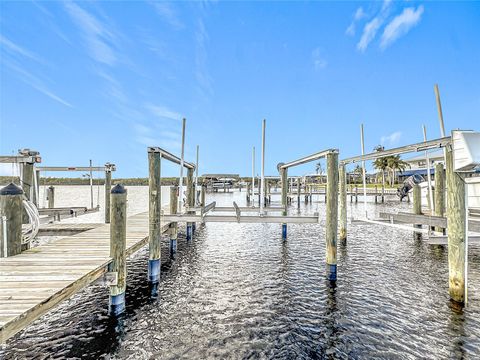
x=343, y=204
x=11, y=209
x=332, y=216
x=202, y=195
x=173, y=227
x=51, y=197
x=27, y=186
x=284, y=179
x=154, y=213
x=298, y=192
x=417, y=208
x=108, y=186
x=356, y=194
x=118, y=244
x=191, y=201
x=457, y=231
x=439, y=192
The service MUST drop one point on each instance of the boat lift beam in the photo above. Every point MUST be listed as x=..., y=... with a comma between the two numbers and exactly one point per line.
x=169, y=156
x=307, y=159
x=241, y=219
x=421, y=146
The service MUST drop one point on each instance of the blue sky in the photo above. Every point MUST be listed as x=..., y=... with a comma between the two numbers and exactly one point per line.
x=102, y=81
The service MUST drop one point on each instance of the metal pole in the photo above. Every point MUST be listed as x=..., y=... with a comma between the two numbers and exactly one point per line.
x=364, y=174
x=263, y=168
x=91, y=186
x=439, y=108
x=430, y=193
x=253, y=177
x=180, y=186
x=196, y=171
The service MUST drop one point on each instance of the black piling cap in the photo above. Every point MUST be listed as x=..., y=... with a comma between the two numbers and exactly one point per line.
x=11, y=189
x=118, y=189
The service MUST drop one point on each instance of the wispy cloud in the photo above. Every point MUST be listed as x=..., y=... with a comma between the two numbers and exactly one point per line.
x=359, y=15
x=371, y=28
x=391, y=139
x=163, y=112
x=318, y=60
x=168, y=13
x=98, y=39
x=201, y=70
x=16, y=49
x=400, y=25
x=35, y=82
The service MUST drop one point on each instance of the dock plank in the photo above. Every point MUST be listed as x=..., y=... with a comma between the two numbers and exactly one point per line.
x=33, y=282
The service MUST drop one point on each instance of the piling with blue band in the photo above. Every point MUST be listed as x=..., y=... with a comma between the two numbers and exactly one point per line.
x=332, y=272
x=117, y=304
x=194, y=227
x=284, y=231
x=154, y=271
x=189, y=232
x=173, y=247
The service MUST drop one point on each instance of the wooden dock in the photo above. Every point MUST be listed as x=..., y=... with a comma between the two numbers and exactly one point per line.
x=36, y=280
x=59, y=229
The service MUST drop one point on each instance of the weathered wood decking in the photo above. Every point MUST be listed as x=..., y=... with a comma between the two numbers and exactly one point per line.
x=36, y=280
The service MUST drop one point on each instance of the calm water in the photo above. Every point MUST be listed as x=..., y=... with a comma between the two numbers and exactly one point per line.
x=238, y=291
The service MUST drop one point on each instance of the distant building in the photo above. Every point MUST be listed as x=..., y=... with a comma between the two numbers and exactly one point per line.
x=418, y=165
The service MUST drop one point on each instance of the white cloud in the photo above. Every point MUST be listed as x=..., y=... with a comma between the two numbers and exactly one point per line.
x=400, y=25
x=166, y=11
x=201, y=70
x=319, y=61
x=359, y=15
x=371, y=28
x=99, y=40
x=391, y=139
x=163, y=112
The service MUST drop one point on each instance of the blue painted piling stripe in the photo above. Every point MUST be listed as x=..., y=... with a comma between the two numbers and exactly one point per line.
x=332, y=272
x=117, y=304
x=173, y=246
x=154, y=271
x=189, y=232
x=284, y=231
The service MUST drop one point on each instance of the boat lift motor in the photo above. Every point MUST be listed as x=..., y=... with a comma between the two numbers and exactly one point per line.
x=408, y=185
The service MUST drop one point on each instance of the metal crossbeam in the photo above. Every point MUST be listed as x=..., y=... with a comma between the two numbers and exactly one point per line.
x=306, y=159
x=242, y=209
x=206, y=209
x=242, y=219
x=169, y=156
x=74, y=168
x=422, y=146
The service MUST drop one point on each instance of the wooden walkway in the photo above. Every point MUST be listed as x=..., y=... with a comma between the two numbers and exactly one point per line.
x=36, y=280
x=59, y=229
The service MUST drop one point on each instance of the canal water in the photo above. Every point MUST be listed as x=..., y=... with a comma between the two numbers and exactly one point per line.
x=237, y=291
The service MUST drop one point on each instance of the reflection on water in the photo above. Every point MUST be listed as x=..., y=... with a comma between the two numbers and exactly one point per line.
x=238, y=291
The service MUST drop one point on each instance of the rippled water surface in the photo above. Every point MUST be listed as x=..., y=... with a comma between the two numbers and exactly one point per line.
x=238, y=291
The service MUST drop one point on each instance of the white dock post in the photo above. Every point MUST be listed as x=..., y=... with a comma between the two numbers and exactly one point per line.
x=108, y=187
x=190, y=201
x=51, y=197
x=417, y=208
x=284, y=179
x=118, y=244
x=173, y=225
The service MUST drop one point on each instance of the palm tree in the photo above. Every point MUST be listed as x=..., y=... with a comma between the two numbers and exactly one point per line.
x=395, y=163
x=319, y=170
x=358, y=170
x=381, y=164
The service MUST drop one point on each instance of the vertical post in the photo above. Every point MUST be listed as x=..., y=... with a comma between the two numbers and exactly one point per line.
x=284, y=179
x=202, y=195
x=332, y=216
x=173, y=227
x=108, y=186
x=439, y=192
x=263, y=167
x=190, y=201
x=376, y=192
x=253, y=177
x=417, y=208
x=383, y=193
x=36, y=192
x=27, y=186
x=364, y=174
x=343, y=203
x=356, y=194
x=11, y=208
x=91, y=185
x=154, y=213
x=180, y=187
x=51, y=197
x=118, y=244
x=457, y=231
x=298, y=192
